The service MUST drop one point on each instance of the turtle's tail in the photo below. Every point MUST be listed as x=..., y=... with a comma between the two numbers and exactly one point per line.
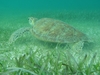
x=18, y=33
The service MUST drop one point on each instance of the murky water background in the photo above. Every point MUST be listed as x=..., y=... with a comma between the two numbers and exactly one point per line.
x=82, y=15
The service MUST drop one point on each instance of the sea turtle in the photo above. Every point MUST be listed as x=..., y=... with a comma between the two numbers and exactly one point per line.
x=51, y=30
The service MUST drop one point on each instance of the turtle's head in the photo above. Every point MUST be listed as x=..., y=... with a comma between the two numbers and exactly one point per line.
x=32, y=20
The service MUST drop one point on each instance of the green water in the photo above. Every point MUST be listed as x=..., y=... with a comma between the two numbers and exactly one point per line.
x=82, y=15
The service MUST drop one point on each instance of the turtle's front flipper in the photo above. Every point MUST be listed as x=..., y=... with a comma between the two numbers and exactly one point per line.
x=17, y=34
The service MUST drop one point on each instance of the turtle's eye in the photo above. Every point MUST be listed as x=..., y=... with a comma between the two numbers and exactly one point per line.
x=28, y=18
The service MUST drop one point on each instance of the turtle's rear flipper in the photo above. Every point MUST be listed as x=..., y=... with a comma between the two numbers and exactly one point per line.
x=17, y=34
x=77, y=47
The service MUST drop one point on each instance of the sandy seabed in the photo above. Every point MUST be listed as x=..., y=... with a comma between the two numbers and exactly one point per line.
x=86, y=22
